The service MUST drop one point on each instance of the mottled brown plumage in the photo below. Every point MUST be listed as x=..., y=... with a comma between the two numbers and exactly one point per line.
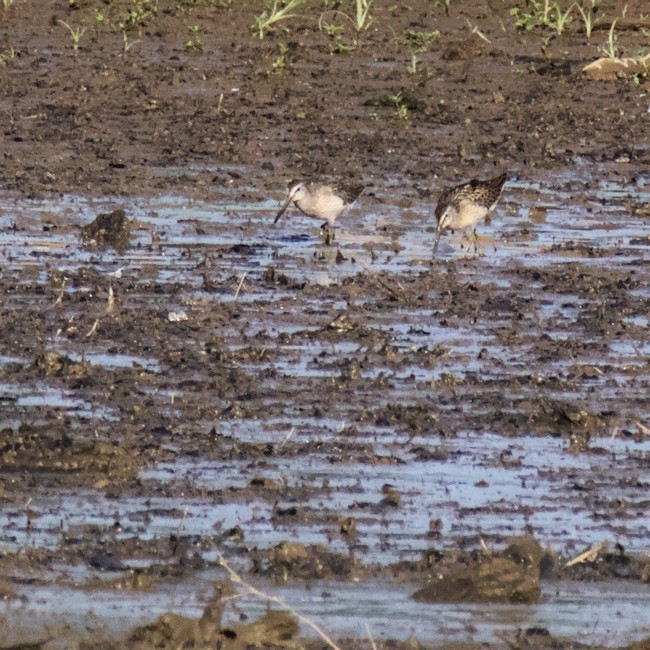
x=467, y=204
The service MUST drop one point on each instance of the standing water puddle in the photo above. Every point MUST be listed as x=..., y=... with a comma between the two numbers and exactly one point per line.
x=403, y=363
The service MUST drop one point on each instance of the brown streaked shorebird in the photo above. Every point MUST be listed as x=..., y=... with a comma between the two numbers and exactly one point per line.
x=467, y=204
x=321, y=201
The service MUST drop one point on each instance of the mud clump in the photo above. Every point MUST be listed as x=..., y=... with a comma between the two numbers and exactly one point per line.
x=527, y=551
x=53, y=364
x=111, y=229
x=40, y=451
x=296, y=560
x=171, y=631
x=7, y=590
x=539, y=638
x=513, y=577
x=547, y=416
x=598, y=563
x=415, y=419
x=273, y=629
x=493, y=580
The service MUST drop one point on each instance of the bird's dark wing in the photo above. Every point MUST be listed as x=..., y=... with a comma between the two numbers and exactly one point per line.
x=349, y=193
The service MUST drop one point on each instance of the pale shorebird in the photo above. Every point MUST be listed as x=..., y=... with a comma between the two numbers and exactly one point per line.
x=467, y=204
x=321, y=201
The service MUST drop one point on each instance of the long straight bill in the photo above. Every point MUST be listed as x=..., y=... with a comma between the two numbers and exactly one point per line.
x=283, y=208
x=438, y=233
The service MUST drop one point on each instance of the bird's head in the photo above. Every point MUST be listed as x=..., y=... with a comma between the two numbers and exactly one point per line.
x=443, y=215
x=295, y=192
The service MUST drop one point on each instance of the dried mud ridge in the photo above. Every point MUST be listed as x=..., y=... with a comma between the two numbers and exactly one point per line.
x=224, y=125
x=165, y=118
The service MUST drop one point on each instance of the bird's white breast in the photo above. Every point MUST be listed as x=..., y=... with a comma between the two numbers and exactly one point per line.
x=468, y=214
x=321, y=205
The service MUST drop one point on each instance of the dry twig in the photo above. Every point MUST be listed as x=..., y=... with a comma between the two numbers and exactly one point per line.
x=111, y=299
x=93, y=329
x=485, y=548
x=238, y=580
x=59, y=298
x=372, y=641
x=240, y=285
x=644, y=430
x=588, y=556
x=287, y=438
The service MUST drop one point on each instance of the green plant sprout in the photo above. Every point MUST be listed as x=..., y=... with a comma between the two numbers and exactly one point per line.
x=475, y=30
x=445, y=3
x=337, y=44
x=282, y=60
x=360, y=23
x=562, y=19
x=587, y=17
x=127, y=44
x=75, y=34
x=610, y=49
x=419, y=42
x=332, y=29
x=401, y=108
x=142, y=10
x=523, y=20
x=412, y=68
x=402, y=112
x=363, y=15
x=100, y=19
x=194, y=43
x=7, y=3
x=8, y=56
x=277, y=12
x=547, y=14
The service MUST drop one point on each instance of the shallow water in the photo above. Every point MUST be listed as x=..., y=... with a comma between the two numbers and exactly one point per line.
x=606, y=224
x=480, y=484
x=584, y=612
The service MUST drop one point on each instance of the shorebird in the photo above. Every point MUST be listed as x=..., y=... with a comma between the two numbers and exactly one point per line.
x=321, y=201
x=467, y=204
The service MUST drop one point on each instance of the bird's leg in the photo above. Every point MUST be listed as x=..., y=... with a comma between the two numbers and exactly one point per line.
x=327, y=233
x=478, y=249
x=471, y=241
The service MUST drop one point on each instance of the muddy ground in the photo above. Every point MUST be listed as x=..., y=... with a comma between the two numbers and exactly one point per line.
x=205, y=388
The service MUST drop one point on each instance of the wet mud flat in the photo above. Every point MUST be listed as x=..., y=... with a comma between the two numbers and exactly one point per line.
x=452, y=453
x=353, y=420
